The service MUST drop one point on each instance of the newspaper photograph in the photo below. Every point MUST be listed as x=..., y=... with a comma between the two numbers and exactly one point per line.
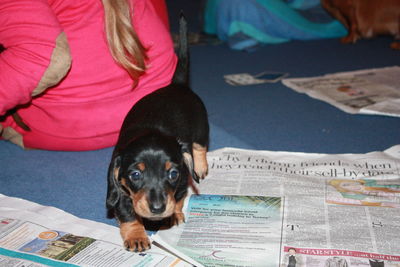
x=299, y=257
x=371, y=91
x=364, y=192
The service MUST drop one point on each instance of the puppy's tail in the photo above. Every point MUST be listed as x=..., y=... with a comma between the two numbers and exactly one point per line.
x=181, y=75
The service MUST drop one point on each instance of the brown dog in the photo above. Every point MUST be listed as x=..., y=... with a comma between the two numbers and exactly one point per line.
x=366, y=18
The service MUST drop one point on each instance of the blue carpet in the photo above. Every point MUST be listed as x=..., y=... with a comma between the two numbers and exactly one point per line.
x=267, y=117
x=274, y=117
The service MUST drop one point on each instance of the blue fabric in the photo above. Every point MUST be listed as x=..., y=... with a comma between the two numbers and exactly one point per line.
x=303, y=4
x=245, y=23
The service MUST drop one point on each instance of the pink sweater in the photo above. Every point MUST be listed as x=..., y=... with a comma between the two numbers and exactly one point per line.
x=86, y=109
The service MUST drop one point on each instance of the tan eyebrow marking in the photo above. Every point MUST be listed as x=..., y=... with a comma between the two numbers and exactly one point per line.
x=168, y=165
x=141, y=166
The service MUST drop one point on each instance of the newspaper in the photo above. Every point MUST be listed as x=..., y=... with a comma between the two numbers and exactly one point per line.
x=35, y=236
x=228, y=230
x=337, y=210
x=371, y=91
x=241, y=79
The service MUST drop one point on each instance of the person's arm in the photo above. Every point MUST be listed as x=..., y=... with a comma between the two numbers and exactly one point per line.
x=36, y=54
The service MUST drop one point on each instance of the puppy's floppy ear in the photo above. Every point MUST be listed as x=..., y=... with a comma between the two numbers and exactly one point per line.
x=113, y=188
x=188, y=159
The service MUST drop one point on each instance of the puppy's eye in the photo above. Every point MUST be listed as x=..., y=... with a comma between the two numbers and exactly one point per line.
x=135, y=175
x=173, y=174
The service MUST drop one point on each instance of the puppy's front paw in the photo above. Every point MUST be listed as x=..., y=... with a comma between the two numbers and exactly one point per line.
x=137, y=243
x=201, y=169
x=200, y=160
x=134, y=236
x=178, y=218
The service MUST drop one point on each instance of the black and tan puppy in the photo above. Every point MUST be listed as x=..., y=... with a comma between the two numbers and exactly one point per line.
x=163, y=142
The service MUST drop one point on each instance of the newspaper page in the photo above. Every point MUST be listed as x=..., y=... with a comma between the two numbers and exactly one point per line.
x=343, y=205
x=371, y=91
x=228, y=230
x=35, y=236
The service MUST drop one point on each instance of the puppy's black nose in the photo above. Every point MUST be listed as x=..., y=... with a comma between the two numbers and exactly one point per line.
x=157, y=201
x=157, y=208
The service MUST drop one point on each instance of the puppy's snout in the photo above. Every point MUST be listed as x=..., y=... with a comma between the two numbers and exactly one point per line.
x=157, y=202
x=157, y=208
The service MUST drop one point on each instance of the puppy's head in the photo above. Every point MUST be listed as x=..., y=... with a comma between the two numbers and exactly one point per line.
x=152, y=170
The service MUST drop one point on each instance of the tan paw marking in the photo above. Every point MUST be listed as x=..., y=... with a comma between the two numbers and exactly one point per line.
x=134, y=236
x=178, y=217
x=200, y=160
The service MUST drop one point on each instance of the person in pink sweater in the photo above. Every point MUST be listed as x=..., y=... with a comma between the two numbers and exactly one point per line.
x=71, y=70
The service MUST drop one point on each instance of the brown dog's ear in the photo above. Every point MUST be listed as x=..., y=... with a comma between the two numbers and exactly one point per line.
x=188, y=160
x=113, y=188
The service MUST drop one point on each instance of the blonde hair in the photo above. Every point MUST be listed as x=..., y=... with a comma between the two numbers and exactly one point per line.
x=124, y=44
